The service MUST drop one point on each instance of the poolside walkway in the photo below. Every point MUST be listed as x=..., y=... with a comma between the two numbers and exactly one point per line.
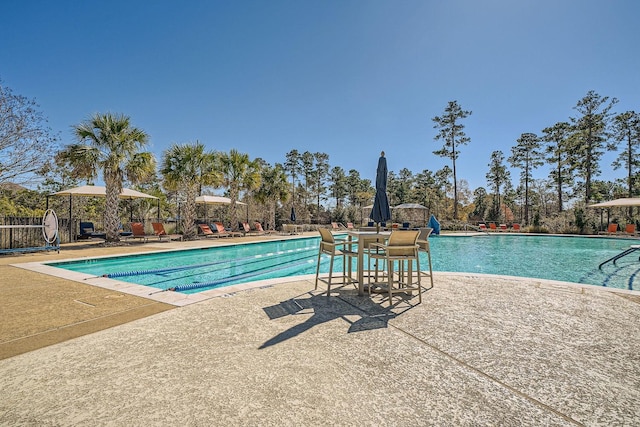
x=480, y=350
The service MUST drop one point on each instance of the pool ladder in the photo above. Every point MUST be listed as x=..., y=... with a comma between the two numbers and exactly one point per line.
x=626, y=252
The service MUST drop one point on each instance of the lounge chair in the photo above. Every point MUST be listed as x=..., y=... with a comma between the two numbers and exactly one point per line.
x=124, y=233
x=137, y=230
x=158, y=229
x=261, y=230
x=246, y=228
x=515, y=227
x=630, y=230
x=87, y=231
x=350, y=226
x=503, y=227
x=612, y=229
x=492, y=226
x=208, y=232
x=222, y=231
x=482, y=227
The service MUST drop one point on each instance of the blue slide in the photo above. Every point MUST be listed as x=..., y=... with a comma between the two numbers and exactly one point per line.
x=433, y=223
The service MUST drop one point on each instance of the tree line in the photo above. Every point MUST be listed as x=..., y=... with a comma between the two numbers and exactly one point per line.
x=108, y=145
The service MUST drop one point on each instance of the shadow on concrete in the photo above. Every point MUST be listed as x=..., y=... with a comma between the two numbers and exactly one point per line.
x=346, y=305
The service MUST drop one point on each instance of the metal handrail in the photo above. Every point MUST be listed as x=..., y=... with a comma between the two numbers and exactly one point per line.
x=626, y=252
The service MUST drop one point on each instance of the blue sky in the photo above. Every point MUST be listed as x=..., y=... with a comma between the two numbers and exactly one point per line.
x=348, y=78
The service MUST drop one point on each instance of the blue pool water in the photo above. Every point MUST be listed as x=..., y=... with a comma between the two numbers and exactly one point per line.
x=565, y=258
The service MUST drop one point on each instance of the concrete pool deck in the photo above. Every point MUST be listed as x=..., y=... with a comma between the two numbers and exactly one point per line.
x=479, y=350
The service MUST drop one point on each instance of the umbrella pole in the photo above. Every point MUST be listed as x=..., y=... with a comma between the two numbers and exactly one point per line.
x=70, y=230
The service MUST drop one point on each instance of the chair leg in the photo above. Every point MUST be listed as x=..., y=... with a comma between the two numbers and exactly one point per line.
x=419, y=280
x=390, y=281
x=318, y=268
x=330, y=274
x=430, y=268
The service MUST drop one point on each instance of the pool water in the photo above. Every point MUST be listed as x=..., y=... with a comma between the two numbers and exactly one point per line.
x=565, y=258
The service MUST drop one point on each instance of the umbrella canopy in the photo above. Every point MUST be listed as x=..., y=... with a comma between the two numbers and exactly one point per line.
x=380, y=211
x=216, y=200
x=410, y=206
x=100, y=191
x=629, y=201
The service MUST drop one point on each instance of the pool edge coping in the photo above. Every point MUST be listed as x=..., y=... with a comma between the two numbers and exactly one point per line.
x=179, y=299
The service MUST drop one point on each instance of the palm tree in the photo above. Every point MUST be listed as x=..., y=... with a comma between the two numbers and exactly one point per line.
x=273, y=189
x=185, y=169
x=107, y=143
x=238, y=174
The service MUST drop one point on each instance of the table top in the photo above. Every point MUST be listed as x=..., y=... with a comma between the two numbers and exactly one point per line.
x=357, y=233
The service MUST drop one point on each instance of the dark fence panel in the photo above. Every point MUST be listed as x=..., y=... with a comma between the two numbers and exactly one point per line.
x=15, y=238
x=31, y=237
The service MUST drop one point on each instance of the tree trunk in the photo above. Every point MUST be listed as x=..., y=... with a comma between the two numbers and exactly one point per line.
x=189, y=213
x=111, y=216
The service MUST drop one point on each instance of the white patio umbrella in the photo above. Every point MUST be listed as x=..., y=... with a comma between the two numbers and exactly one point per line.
x=215, y=200
x=98, y=191
x=616, y=203
x=627, y=201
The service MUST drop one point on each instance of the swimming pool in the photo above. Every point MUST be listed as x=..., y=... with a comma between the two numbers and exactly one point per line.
x=564, y=258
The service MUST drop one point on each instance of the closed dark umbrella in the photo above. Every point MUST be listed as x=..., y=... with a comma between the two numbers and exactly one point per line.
x=380, y=211
x=293, y=214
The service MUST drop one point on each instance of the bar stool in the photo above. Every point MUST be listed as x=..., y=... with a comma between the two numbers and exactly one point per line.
x=423, y=243
x=401, y=249
x=333, y=247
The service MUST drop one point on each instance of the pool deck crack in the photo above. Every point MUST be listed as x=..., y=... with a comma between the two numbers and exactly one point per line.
x=491, y=378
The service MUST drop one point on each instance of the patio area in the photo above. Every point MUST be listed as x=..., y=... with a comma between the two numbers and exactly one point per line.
x=480, y=350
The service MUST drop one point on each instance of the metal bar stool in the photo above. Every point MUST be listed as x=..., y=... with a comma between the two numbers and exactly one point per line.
x=423, y=243
x=333, y=247
x=400, y=250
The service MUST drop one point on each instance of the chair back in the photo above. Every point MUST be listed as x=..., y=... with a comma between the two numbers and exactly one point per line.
x=220, y=227
x=138, y=229
x=326, y=236
x=327, y=243
x=424, y=233
x=613, y=228
x=259, y=227
x=158, y=229
x=630, y=229
x=405, y=242
x=206, y=230
x=245, y=226
x=86, y=227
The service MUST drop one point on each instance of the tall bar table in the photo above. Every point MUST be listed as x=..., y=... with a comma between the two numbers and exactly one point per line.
x=364, y=238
